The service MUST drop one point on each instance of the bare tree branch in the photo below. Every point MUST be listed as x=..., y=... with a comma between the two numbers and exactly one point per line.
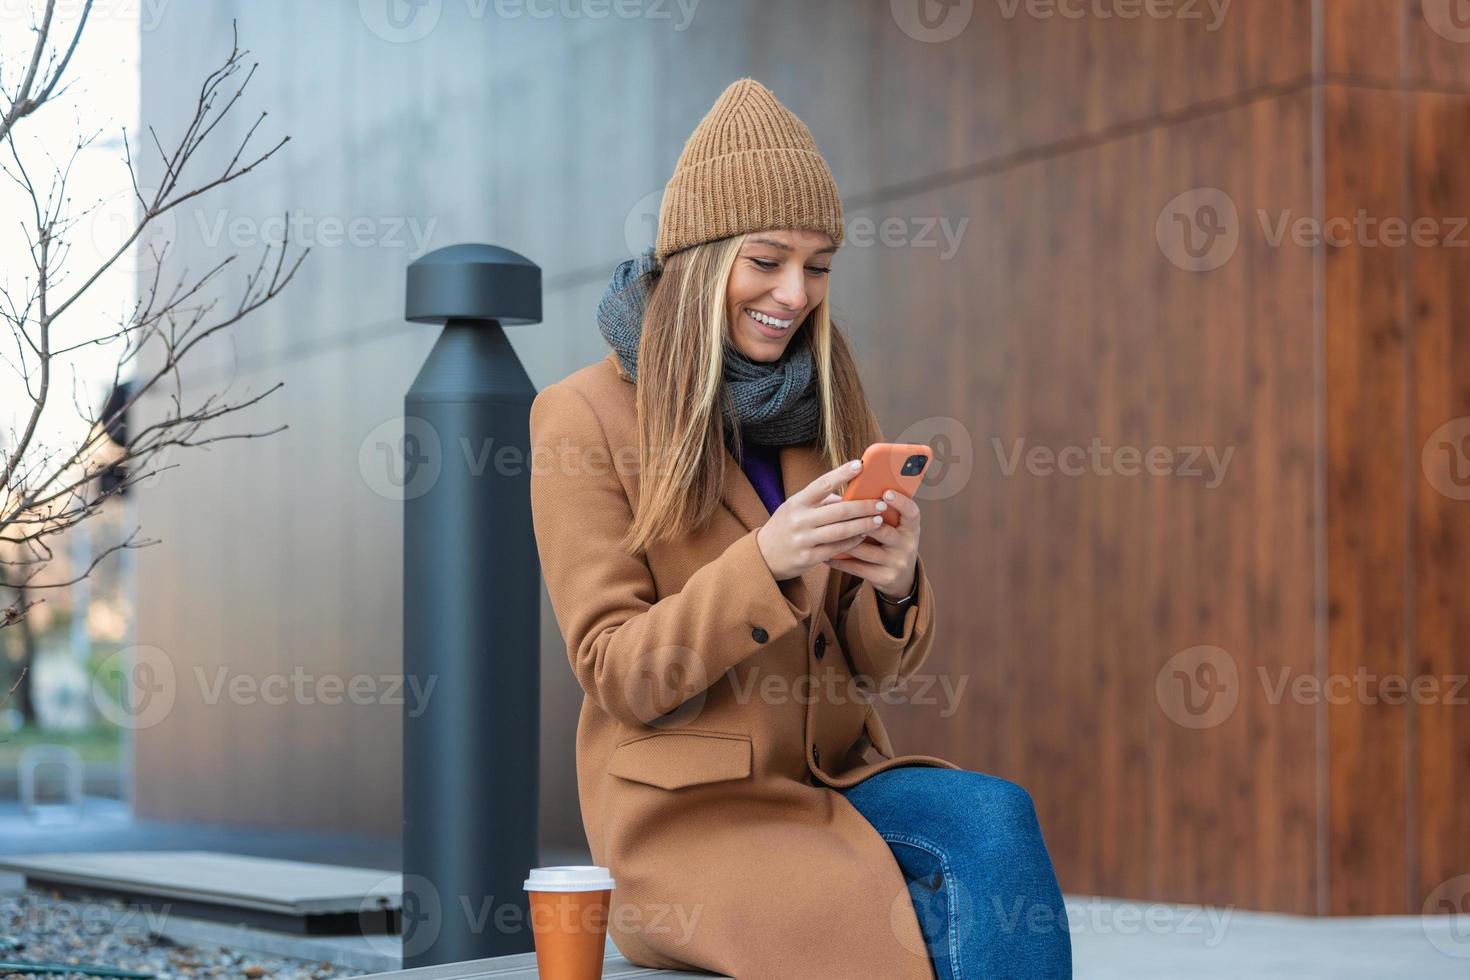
x=22, y=104
x=46, y=491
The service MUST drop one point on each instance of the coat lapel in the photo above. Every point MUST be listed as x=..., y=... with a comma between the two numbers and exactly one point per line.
x=800, y=465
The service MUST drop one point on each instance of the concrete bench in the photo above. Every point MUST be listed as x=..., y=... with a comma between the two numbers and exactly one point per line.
x=522, y=966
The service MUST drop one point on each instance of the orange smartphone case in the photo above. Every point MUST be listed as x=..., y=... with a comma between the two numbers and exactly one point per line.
x=883, y=470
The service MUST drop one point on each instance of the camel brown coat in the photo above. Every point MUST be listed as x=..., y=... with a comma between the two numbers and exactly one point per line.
x=722, y=708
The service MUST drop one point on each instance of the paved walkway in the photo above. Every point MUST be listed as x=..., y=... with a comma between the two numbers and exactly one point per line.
x=1112, y=940
x=1115, y=940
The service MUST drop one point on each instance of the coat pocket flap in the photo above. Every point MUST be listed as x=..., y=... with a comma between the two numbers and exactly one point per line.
x=670, y=760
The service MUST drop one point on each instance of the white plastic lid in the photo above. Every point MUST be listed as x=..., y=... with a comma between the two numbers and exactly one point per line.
x=569, y=878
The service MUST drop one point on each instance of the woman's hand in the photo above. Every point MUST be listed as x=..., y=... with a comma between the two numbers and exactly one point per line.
x=890, y=561
x=814, y=524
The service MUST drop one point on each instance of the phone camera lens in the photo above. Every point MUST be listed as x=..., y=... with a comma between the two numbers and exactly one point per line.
x=914, y=464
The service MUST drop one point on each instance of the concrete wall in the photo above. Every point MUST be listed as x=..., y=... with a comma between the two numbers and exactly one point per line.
x=461, y=121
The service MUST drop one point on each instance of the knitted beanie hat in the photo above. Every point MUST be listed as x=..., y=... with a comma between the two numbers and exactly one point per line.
x=750, y=165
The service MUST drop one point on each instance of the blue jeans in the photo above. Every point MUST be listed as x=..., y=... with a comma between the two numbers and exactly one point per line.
x=977, y=869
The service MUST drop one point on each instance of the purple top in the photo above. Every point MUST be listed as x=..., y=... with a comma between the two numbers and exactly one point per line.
x=762, y=465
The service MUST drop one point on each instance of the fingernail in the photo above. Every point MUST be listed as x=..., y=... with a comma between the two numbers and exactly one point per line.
x=877, y=520
x=880, y=505
x=887, y=494
x=855, y=464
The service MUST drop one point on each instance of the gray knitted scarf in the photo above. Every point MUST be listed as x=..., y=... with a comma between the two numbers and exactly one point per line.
x=774, y=403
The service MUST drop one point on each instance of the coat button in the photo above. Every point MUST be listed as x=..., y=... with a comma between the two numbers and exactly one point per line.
x=821, y=645
x=760, y=635
x=816, y=756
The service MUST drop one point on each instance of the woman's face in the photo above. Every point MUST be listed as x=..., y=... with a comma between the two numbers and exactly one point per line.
x=778, y=278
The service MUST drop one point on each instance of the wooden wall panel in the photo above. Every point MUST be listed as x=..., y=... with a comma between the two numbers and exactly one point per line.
x=1365, y=405
x=1396, y=372
x=1061, y=320
x=1020, y=79
x=1364, y=39
x=1439, y=524
x=1416, y=43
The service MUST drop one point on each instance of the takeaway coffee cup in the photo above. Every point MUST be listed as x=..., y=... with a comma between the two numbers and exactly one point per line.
x=569, y=908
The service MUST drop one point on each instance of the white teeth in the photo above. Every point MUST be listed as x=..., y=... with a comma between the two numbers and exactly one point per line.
x=769, y=321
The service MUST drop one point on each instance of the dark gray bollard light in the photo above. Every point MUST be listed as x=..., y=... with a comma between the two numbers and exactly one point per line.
x=471, y=613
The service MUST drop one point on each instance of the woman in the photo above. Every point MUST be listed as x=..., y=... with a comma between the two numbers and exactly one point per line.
x=686, y=502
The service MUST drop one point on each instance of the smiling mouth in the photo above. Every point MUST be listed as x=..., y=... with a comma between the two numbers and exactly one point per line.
x=769, y=321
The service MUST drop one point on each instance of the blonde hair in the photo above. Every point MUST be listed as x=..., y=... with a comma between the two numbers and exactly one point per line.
x=682, y=398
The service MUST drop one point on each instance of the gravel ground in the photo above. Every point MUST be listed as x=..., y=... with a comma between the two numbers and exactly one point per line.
x=109, y=933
